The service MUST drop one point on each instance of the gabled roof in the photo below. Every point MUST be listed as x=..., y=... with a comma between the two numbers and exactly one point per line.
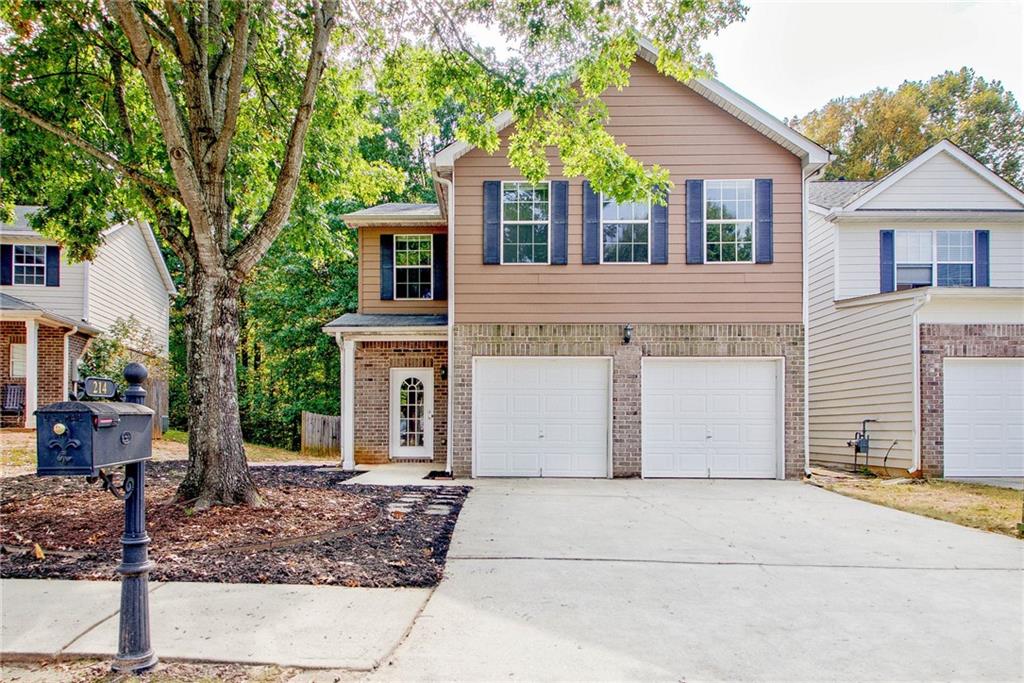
x=22, y=228
x=832, y=193
x=810, y=153
x=942, y=147
x=396, y=213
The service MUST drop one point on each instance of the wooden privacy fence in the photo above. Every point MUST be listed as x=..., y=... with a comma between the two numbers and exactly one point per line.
x=321, y=435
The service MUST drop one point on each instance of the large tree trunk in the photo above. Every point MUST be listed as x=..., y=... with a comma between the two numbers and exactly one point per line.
x=218, y=473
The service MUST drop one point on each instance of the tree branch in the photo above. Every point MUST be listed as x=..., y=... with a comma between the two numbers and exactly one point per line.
x=182, y=164
x=255, y=244
x=108, y=160
x=240, y=52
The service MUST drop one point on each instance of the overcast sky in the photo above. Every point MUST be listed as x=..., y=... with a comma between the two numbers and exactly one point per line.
x=793, y=56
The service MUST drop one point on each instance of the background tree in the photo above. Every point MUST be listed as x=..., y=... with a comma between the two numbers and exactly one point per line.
x=877, y=132
x=198, y=114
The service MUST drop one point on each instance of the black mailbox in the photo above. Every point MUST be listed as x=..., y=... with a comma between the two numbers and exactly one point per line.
x=78, y=438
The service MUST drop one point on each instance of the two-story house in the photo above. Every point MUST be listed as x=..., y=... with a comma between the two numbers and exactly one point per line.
x=917, y=319
x=51, y=309
x=521, y=329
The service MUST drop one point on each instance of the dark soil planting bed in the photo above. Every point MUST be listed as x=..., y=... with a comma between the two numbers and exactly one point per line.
x=314, y=530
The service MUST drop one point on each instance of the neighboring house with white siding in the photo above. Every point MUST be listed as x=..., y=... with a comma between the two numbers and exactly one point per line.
x=916, y=318
x=51, y=309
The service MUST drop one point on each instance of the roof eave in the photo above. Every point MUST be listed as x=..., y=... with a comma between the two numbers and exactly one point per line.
x=933, y=293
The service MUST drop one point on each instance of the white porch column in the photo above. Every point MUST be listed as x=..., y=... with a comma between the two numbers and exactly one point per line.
x=348, y=404
x=31, y=372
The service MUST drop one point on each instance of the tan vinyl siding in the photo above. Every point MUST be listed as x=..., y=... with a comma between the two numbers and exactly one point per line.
x=861, y=365
x=661, y=122
x=124, y=280
x=369, y=274
x=942, y=182
x=66, y=300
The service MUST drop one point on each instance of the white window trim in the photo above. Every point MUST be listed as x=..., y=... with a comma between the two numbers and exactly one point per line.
x=935, y=257
x=14, y=266
x=753, y=222
x=395, y=266
x=24, y=359
x=600, y=213
x=501, y=233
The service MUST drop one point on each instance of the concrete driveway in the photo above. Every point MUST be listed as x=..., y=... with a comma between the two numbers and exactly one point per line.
x=698, y=580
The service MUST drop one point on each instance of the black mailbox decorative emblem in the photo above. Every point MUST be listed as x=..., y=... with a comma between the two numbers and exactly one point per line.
x=78, y=438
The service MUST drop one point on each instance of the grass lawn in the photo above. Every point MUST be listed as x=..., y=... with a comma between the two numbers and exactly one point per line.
x=974, y=505
x=18, y=451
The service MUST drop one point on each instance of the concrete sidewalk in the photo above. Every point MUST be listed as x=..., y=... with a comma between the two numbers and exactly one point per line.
x=294, y=626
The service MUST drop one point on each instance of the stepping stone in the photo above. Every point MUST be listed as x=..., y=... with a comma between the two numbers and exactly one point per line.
x=438, y=510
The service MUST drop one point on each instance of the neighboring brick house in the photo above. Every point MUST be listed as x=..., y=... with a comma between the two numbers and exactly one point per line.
x=917, y=318
x=50, y=309
x=567, y=335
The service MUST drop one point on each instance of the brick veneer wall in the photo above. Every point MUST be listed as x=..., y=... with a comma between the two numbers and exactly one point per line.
x=374, y=361
x=11, y=332
x=786, y=340
x=941, y=341
x=49, y=366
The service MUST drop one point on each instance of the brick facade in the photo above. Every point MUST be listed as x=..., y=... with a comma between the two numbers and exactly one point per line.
x=373, y=363
x=785, y=340
x=50, y=361
x=11, y=332
x=941, y=341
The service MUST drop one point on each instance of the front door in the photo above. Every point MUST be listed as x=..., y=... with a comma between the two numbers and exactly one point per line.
x=412, y=412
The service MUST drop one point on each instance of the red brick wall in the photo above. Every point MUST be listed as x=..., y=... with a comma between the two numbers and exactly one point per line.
x=374, y=361
x=10, y=333
x=941, y=341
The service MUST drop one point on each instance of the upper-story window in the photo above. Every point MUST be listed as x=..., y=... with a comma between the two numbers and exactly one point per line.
x=925, y=258
x=729, y=221
x=29, y=264
x=414, y=266
x=525, y=222
x=625, y=231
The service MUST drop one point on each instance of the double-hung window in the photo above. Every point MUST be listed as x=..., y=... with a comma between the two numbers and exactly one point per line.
x=729, y=221
x=17, y=360
x=942, y=257
x=525, y=222
x=29, y=264
x=625, y=231
x=414, y=266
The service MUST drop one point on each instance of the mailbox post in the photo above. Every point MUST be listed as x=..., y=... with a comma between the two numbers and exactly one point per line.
x=77, y=438
x=134, y=651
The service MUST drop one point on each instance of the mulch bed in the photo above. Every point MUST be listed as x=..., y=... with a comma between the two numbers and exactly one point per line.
x=312, y=531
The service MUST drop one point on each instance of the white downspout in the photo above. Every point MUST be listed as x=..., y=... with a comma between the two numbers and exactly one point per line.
x=806, y=318
x=347, y=348
x=451, y=312
x=916, y=345
x=67, y=361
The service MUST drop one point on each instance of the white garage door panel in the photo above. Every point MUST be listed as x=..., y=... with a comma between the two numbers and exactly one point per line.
x=541, y=417
x=715, y=418
x=983, y=423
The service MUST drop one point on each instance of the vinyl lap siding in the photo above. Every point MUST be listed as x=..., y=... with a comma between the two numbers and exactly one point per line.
x=857, y=245
x=861, y=365
x=66, y=300
x=369, y=274
x=124, y=280
x=942, y=182
x=660, y=121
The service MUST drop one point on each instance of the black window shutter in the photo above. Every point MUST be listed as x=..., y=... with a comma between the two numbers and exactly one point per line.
x=886, y=261
x=981, y=272
x=6, y=264
x=387, y=267
x=52, y=266
x=764, y=250
x=559, y=222
x=659, y=232
x=440, y=262
x=695, y=221
x=492, y=222
x=591, y=225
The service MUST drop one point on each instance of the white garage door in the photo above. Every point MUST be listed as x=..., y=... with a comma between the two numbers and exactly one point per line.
x=710, y=418
x=541, y=417
x=983, y=405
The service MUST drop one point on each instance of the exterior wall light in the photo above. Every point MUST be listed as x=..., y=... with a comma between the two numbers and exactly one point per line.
x=444, y=372
x=627, y=333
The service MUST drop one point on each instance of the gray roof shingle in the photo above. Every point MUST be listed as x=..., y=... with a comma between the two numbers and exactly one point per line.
x=388, y=320
x=833, y=193
x=397, y=211
x=11, y=303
